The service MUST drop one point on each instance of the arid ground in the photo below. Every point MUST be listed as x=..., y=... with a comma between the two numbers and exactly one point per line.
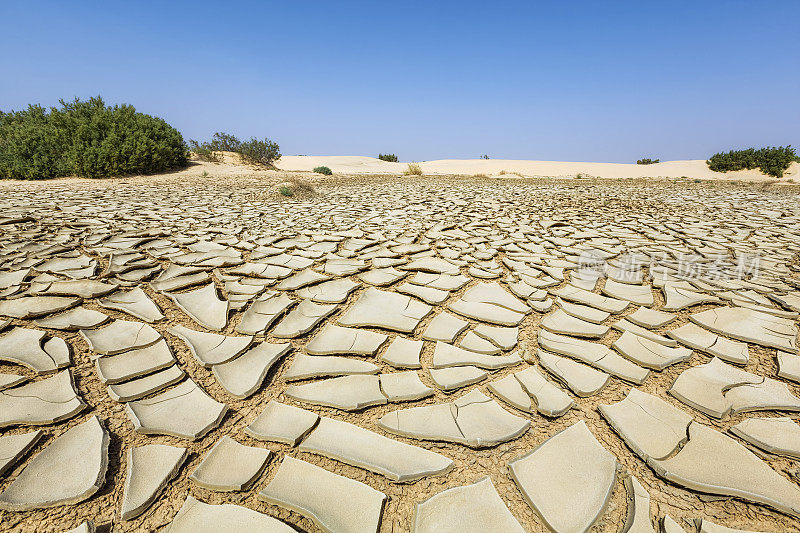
x=530, y=285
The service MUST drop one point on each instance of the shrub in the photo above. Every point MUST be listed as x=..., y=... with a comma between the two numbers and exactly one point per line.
x=323, y=170
x=772, y=160
x=413, y=170
x=295, y=187
x=224, y=142
x=484, y=156
x=204, y=151
x=388, y=157
x=258, y=152
x=87, y=139
x=647, y=161
x=254, y=151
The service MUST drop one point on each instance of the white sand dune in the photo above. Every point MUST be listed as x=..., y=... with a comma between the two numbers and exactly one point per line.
x=493, y=167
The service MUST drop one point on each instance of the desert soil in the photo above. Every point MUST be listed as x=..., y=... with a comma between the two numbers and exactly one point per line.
x=469, y=216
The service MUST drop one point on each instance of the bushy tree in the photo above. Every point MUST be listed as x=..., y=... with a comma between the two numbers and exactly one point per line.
x=88, y=139
x=647, y=161
x=388, y=157
x=258, y=152
x=771, y=160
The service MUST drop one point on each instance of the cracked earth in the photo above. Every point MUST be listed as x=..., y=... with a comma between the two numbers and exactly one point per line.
x=404, y=354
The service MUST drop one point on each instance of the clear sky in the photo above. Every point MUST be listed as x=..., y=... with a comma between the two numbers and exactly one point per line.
x=574, y=81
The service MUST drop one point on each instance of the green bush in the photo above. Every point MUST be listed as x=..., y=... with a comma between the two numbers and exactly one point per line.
x=258, y=152
x=286, y=191
x=388, y=157
x=205, y=151
x=772, y=160
x=323, y=170
x=224, y=142
x=254, y=151
x=88, y=139
x=647, y=161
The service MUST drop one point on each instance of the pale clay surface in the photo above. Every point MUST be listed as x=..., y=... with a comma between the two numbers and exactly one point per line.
x=623, y=319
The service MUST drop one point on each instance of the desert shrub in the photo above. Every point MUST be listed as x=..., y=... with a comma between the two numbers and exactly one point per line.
x=772, y=160
x=323, y=170
x=224, y=142
x=88, y=139
x=254, y=151
x=480, y=176
x=484, y=156
x=205, y=151
x=296, y=187
x=413, y=170
x=388, y=157
x=647, y=161
x=259, y=152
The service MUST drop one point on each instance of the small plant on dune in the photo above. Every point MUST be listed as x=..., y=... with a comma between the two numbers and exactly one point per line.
x=484, y=156
x=285, y=190
x=772, y=160
x=503, y=173
x=204, y=174
x=388, y=157
x=647, y=161
x=323, y=170
x=413, y=170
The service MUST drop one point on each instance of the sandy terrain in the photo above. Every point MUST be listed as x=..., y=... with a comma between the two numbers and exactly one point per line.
x=477, y=224
x=492, y=167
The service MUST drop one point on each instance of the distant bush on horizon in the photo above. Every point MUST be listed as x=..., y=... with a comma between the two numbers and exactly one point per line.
x=647, y=161
x=772, y=160
x=86, y=139
x=388, y=157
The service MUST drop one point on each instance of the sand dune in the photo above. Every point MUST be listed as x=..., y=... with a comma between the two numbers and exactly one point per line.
x=492, y=167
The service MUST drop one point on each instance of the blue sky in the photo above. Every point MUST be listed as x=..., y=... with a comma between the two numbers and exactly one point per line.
x=576, y=81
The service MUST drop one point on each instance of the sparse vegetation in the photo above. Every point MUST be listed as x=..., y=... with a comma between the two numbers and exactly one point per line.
x=258, y=152
x=254, y=151
x=647, y=161
x=484, y=156
x=323, y=170
x=413, y=170
x=86, y=139
x=480, y=176
x=388, y=157
x=772, y=160
x=224, y=142
x=204, y=152
x=295, y=187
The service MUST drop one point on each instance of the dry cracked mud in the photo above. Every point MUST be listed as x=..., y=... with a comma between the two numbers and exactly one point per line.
x=361, y=269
